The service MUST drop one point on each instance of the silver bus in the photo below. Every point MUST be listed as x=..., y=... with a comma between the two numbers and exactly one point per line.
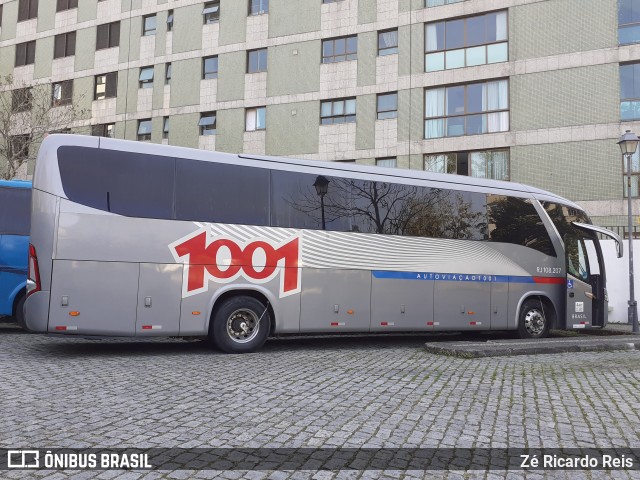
x=136, y=239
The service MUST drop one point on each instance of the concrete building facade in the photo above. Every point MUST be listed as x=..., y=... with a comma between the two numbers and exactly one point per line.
x=532, y=91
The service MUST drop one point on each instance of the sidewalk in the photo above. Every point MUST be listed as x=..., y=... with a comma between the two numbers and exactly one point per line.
x=615, y=337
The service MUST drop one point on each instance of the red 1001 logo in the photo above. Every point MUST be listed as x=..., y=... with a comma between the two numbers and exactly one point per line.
x=224, y=260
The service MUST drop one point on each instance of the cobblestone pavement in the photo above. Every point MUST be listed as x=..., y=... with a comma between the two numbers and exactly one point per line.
x=350, y=392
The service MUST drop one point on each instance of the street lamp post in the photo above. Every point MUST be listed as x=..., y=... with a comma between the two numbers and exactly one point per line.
x=628, y=145
x=322, y=187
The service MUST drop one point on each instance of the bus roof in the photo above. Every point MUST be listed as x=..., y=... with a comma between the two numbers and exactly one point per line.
x=52, y=142
x=15, y=183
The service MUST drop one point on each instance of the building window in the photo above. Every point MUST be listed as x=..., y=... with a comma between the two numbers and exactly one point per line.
x=106, y=86
x=630, y=91
x=388, y=42
x=437, y=3
x=209, y=68
x=64, y=45
x=387, y=105
x=338, y=111
x=167, y=74
x=25, y=53
x=1, y=15
x=207, y=123
x=466, y=42
x=258, y=7
x=146, y=77
x=108, y=35
x=469, y=109
x=255, y=119
x=492, y=164
x=165, y=128
x=144, y=130
x=66, y=5
x=27, y=9
x=169, y=20
x=387, y=162
x=628, y=21
x=20, y=146
x=21, y=99
x=211, y=12
x=148, y=25
x=62, y=93
x=332, y=1
x=103, y=130
x=257, y=60
x=340, y=49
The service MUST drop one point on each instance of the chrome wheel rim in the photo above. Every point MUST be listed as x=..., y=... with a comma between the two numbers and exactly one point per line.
x=242, y=325
x=534, y=322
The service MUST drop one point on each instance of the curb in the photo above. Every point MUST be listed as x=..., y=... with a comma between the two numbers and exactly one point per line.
x=507, y=348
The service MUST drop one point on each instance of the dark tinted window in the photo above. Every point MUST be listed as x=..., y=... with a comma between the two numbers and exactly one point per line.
x=295, y=202
x=397, y=209
x=131, y=184
x=216, y=192
x=563, y=215
x=515, y=220
x=15, y=211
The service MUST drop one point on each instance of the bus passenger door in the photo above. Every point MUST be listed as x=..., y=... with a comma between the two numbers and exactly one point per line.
x=580, y=293
x=159, y=296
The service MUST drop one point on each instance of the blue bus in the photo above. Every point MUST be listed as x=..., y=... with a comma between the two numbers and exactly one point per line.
x=15, y=222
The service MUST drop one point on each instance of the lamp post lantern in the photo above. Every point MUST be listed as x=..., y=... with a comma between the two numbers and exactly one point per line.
x=322, y=187
x=628, y=145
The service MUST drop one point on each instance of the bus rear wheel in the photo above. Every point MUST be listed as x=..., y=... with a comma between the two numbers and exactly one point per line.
x=19, y=313
x=240, y=325
x=532, y=322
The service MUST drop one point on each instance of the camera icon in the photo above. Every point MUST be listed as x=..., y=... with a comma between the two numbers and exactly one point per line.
x=23, y=459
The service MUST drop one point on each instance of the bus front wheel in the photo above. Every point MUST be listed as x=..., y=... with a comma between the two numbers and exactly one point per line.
x=240, y=325
x=533, y=323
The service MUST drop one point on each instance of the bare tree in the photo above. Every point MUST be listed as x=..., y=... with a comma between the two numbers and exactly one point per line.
x=28, y=113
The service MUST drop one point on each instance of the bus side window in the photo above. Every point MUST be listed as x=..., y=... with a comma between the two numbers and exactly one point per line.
x=15, y=211
x=515, y=220
x=296, y=203
x=126, y=183
x=223, y=193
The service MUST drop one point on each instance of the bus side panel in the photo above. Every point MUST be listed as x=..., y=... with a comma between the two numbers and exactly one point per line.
x=464, y=305
x=401, y=304
x=44, y=212
x=159, y=295
x=94, y=298
x=335, y=300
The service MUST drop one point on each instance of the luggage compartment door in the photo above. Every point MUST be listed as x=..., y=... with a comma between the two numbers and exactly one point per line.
x=94, y=298
x=159, y=297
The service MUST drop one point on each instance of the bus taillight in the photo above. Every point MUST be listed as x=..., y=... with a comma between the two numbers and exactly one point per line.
x=33, y=281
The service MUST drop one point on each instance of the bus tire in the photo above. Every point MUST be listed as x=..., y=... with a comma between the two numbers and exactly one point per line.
x=240, y=325
x=532, y=322
x=19, y=312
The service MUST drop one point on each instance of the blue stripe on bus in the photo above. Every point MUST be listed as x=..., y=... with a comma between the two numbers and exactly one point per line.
x=457, y=277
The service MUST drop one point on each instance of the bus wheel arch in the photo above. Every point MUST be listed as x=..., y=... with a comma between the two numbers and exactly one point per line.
x=237, y=309
x=536, y=317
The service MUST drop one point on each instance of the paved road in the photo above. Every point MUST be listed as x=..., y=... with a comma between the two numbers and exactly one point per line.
x=348, y=392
